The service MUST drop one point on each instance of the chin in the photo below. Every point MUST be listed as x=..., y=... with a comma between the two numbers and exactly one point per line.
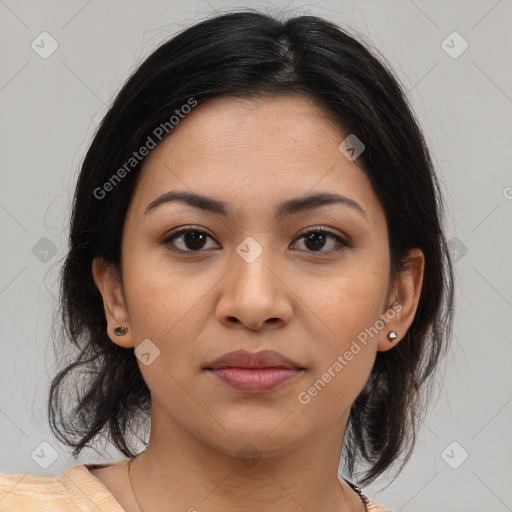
x=270, y=434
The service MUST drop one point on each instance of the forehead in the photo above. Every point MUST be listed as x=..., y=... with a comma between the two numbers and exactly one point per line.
x=240, y=150
x=301, y=117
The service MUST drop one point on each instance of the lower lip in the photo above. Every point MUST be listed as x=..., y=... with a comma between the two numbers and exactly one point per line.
x=255, y=380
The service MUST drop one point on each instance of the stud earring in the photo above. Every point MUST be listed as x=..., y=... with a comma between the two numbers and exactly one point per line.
x=120, y=331
x=392, y=336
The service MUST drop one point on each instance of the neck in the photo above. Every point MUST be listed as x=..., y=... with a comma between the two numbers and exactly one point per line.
x=179, y=472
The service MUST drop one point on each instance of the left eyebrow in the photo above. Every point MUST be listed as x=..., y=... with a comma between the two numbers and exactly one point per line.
x=289, y=207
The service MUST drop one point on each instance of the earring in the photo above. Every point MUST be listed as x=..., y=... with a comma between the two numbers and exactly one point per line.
x=392, y=336
x=120, y=331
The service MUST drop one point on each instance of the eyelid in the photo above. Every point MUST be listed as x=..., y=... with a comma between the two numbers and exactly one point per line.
x=322, y=229
x=187, y=227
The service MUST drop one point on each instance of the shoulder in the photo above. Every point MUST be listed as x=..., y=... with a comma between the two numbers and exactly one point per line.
x=373, y=506
x=370, y=505
x=377, y=507
x=74, y=489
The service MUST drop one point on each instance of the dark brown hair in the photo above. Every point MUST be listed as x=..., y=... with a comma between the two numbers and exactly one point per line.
x=248, y=54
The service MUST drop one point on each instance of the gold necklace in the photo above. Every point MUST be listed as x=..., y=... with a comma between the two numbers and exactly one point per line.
x=368, y=504
x=131, y=484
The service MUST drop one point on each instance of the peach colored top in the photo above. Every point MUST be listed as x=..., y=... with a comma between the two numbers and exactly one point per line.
x=75, y=490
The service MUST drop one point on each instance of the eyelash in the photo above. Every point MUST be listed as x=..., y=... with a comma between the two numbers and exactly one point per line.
x=341, y=244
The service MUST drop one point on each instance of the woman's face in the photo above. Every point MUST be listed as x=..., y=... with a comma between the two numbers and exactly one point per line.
x=248, y=279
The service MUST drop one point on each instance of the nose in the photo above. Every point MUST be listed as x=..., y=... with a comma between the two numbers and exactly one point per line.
x=255, y=294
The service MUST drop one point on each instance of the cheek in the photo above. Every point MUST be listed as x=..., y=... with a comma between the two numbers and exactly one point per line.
x=350, y=300
x=170, y=304
x=344, y=316
x=167, y=306
x=164, y=299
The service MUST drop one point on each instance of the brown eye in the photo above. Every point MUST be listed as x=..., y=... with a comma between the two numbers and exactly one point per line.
x=195, y=240
x=316, y=239
x=192, y=240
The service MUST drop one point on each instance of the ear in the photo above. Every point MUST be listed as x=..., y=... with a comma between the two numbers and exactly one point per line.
x=109, y=283
x=407, y=291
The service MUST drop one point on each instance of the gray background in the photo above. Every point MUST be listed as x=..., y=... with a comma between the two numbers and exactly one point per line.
x=51, y=107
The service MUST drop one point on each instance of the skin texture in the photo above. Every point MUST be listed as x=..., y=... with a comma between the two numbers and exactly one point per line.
x=298, y=298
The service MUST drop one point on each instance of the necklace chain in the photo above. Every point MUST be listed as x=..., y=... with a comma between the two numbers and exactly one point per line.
x=131, y=484
x=368, y=505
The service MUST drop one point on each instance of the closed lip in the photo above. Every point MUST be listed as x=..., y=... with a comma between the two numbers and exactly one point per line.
x=246, y=359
